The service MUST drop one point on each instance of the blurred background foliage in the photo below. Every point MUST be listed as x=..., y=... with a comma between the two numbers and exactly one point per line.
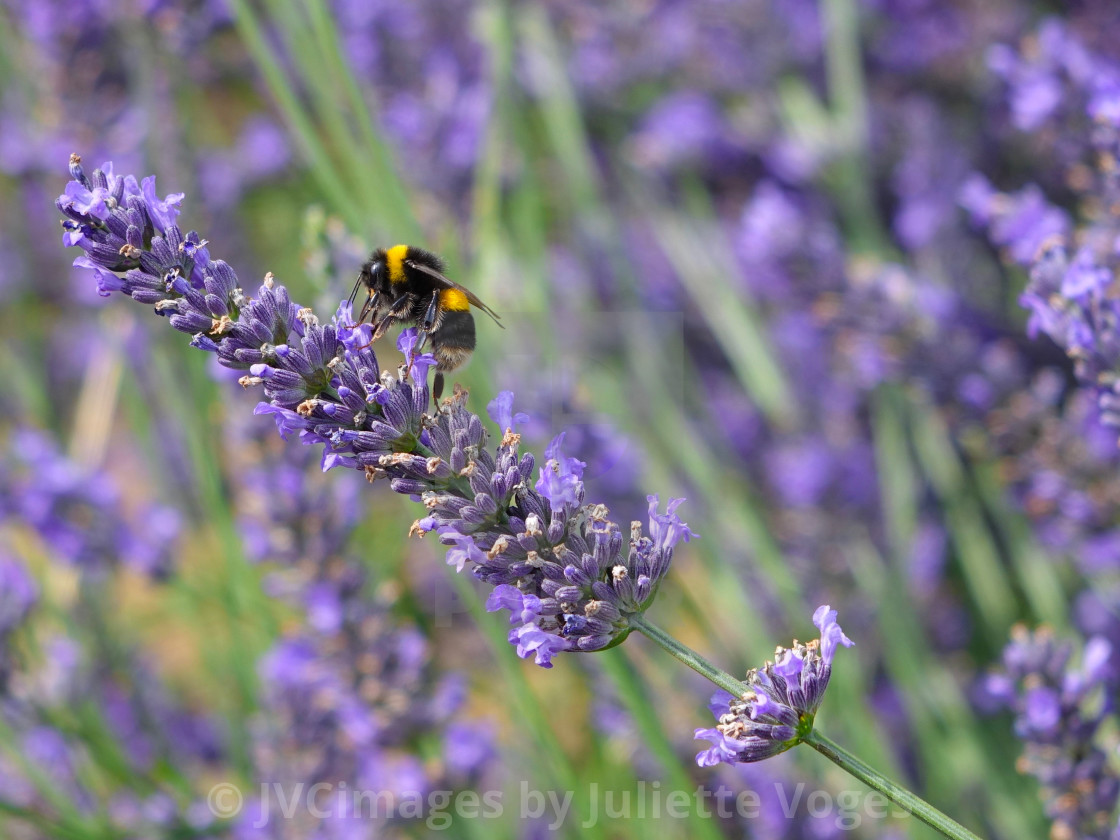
x=744, y=254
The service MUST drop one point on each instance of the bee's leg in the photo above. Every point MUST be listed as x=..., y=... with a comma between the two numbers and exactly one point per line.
x=429, y=319
x=399, y=302
x=381, y=326
x=378, y=330
x=388, y=319
x=437, y=388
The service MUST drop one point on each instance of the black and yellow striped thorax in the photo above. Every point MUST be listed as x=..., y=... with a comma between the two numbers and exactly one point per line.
x=396, y=264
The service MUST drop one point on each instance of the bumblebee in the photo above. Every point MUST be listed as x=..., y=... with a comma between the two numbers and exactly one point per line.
x=406, y=286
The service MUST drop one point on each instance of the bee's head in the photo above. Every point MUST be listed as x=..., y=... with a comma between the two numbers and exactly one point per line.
x=373, y=278
x=374, y=275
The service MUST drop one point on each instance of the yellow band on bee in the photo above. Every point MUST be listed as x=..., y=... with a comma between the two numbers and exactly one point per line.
x=453, y=299
x=394, y=261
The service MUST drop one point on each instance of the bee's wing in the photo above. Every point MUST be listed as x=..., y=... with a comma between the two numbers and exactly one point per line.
x=443, y=283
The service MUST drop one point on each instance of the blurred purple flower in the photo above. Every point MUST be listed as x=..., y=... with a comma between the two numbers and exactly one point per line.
x=1020, y=222
x=79, y=512
x=18, y=594
x=1059, y=716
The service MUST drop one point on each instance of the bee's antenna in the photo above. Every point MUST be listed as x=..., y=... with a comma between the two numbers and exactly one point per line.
x=354, y=294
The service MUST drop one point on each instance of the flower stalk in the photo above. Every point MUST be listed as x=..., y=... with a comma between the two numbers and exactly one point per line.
x=897, y=794
x=685, y=654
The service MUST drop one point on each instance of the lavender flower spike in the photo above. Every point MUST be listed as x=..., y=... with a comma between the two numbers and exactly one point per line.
x=778, y=710
x=1062, y=709
x=557, y=563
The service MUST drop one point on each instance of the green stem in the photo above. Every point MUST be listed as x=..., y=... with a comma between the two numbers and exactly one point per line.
x=688, y=656
x=898, y=795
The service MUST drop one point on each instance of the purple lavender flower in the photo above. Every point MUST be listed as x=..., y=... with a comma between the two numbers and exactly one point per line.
x=416, y=363
x=430, y=73
x=289, y=513
x=351, y=696
x=145, y=725
x=683, y=75
x=354, y=697
x=613, y=457
x=1070, y=296
x=79, y=512
x=352, y=693
x=559, y=481
x=921, y=35
x=574, y=590
x=323, y=383
x=1053, y=76
x=1021, y=223
x=261, y=152
x=783, y=696
x=927, y=176
x=682, y=129
x=1060, y=709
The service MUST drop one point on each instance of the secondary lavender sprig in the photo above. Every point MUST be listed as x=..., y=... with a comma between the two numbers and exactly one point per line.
x=556, y=562
x=777, y=710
